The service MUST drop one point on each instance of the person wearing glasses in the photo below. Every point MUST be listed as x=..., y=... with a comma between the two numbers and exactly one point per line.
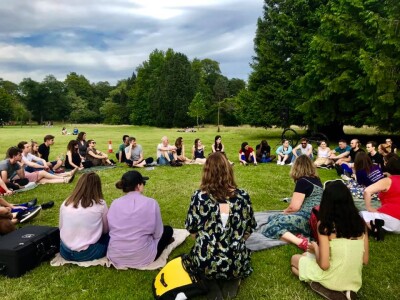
x=137, y=234
x=97, y=157
x=304, y=148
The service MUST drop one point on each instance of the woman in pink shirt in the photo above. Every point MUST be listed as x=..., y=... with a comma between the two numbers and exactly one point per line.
x=83, y=221
x=137, y=234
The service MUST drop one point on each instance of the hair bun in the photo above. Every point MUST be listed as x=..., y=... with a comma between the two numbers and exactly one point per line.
x=119, y=185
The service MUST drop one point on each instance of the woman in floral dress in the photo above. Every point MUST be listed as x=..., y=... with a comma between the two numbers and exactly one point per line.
x=292, y=225
x=221, y=218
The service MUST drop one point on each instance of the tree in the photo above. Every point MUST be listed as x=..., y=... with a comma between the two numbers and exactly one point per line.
x=221, y=90
x=111, y=112
x=6, y=105
x=281, y=47
x=197, y=108
x=352, y=77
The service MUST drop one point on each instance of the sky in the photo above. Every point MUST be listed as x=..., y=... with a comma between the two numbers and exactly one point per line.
x=106, y=40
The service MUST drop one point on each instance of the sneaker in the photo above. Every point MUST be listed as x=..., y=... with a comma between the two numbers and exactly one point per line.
x=323, y=167
x=345, y=177
x=47, y=205
x=282, y=163
x=28, y=215
x=291, y=164
x=278, y=162
x=32, y=203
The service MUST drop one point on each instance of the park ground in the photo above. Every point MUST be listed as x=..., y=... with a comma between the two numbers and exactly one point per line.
x=267, y=184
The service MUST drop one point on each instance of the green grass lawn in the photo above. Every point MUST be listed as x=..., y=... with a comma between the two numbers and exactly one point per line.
x=172, y=187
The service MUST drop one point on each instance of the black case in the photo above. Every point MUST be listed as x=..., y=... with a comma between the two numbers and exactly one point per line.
x=25, y=248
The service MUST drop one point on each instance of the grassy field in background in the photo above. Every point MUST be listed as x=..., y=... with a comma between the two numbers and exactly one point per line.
x=172, y=188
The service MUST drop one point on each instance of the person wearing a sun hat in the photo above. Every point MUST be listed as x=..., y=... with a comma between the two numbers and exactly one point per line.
x=137, y=234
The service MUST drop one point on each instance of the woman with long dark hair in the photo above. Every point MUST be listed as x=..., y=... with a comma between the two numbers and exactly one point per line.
x=263, y=152
x=247, y=155
x=342, y=247
x=198, y=152
x=220, y=218
x=81, y=138
x=180, y=151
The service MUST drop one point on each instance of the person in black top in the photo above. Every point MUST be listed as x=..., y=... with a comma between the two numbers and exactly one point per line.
x=263, y=152
x=373, y=154
x=44, y=151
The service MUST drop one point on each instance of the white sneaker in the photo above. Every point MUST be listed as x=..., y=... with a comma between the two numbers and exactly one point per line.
x=291, y=164
x=345, y=177
x=282, y=163
x=278, y=162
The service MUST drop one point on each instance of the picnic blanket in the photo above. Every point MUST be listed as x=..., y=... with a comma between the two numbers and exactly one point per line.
x=257, y=241
x=179, y=235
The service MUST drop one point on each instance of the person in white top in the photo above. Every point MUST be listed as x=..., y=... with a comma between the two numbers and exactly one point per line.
x=166, y=153
x=83, y=221
x=304, y=148
x=323, y=159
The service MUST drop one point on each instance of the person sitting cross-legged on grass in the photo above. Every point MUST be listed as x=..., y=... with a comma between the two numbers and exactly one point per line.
x=304, y=148
x=220, y=218
x=342, y=247
x=166, y=153
x=284, y=153
x=120, y=155
x=134, y=155
x=293, y=224
x=198, y=152
x=137, y=234
x=247, y=154
x=83, y=221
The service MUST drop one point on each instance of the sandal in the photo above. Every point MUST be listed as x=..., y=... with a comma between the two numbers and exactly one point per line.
x=304, y=243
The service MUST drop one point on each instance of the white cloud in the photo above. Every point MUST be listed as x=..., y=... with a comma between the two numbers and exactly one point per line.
x=107, y=40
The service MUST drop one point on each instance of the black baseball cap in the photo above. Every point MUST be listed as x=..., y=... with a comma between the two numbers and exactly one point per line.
x=133, y=178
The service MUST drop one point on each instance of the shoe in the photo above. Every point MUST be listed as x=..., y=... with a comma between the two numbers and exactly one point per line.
x=304, y=243
x=71, y=178
x=324, y=167
x=327, y=293
x=291, y=164
x=28, y=215
x=376, y=229
x=282, y=163
x=339, y=170
x=278, y=162
x=350, y=295
x=345, y=177
x=31, y=203
x=47, y=205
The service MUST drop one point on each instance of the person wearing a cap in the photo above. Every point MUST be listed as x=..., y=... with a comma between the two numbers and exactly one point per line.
x=137, y=234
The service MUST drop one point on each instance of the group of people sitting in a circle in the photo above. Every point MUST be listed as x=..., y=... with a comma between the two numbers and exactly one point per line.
x=221, y=218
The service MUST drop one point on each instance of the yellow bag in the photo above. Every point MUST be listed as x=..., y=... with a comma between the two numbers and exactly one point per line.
x=174, y=279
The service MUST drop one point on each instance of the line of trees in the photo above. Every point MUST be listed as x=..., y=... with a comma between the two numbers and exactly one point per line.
x=326, y=63
x=159, y=95
x=318, y=63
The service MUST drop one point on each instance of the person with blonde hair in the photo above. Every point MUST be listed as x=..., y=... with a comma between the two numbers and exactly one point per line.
x=83, y=221
x=292, y=225
x=220, y=218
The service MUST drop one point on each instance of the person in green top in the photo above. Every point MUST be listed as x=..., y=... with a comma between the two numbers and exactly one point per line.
x=336, y=261
x=121, y=150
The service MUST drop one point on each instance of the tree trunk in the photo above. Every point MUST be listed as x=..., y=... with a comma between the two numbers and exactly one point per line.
x=333, y=131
